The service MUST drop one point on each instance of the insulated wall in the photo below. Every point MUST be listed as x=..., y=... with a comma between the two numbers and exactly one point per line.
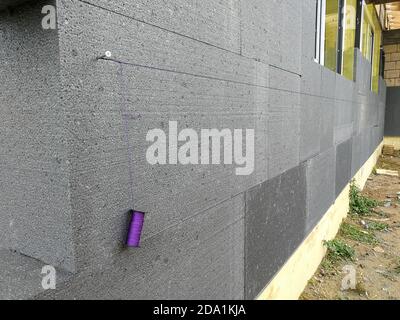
x=392, y=121
x=235, y=64
x=35, y=217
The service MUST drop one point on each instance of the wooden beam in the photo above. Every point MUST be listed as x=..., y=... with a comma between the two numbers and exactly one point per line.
x=380, y=1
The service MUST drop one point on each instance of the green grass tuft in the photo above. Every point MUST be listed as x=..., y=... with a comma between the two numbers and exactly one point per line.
x=359, y=204
x=338, y=251
x=378, y=226
x=350, y=231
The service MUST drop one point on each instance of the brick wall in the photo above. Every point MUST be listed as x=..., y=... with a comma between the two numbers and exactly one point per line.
x=392, y=65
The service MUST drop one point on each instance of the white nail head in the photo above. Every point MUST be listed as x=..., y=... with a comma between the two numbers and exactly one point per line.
x=108, y=54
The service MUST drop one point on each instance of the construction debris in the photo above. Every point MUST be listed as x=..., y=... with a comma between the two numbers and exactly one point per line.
x=379, y=250
x=387, y=172
x=388, y=150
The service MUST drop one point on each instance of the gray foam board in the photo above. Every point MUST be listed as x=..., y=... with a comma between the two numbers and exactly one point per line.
x=275, y=224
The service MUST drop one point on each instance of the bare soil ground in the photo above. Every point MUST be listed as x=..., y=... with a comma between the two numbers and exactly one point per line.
x=375, y=238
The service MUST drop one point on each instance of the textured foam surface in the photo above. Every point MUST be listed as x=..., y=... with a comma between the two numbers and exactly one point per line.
x=74, y=143
x=275, y=226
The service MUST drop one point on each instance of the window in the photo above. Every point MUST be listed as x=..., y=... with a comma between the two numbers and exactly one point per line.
x=371, y=43
x=367, y=45
x=349, y=38
x=334, y=36
x=341, y=26
x=331, y=34
x=347, y=16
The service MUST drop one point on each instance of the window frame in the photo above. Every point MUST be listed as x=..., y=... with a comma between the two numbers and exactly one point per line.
x=319, y=54
x=341, y=35
x=362, y=26
x=359, y=23
x=372, y=57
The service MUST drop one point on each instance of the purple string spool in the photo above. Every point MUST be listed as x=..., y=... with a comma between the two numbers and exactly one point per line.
x=135, y=229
